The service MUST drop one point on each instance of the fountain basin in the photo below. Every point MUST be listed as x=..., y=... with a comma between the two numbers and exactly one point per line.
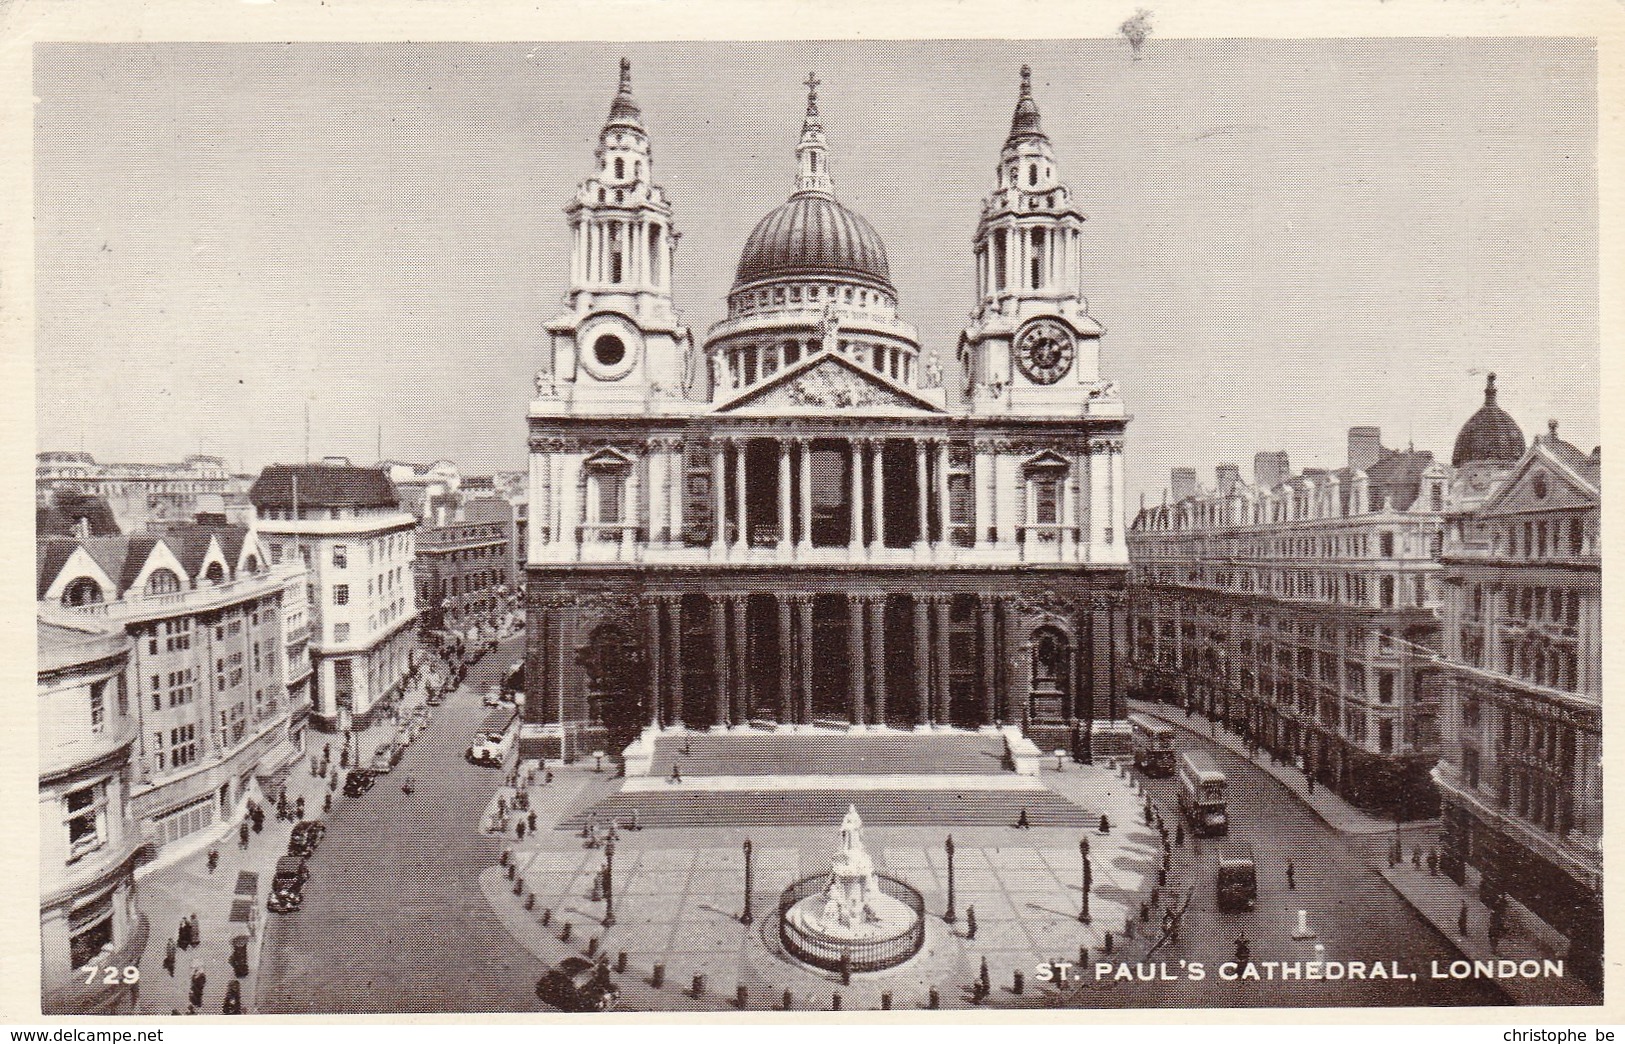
x=894, y=933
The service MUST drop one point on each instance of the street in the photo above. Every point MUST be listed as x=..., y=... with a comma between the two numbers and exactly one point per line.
x=1355, y=915
x=393, y=919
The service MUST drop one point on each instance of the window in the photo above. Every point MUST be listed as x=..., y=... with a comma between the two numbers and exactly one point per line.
x=341, y=594
x=182, y=745
x=1387, y=545
x=90, y=930
x=1385, y=687
x=341, y=556
x=163, y=581
x=98, y=706
x=86, y=819
x=1385, y=736
x=1047, y=502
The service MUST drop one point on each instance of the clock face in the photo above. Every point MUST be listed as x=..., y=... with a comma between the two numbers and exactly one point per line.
x=1044, y=351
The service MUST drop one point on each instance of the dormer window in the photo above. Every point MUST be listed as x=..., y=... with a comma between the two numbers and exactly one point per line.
x=163, y=581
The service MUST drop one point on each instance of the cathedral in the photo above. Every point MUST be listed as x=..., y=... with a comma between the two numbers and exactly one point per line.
x=791, y=522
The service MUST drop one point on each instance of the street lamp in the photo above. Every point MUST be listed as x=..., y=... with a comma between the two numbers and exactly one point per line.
x=746, y=918
x=609, y=883
x=1088, y=879
x=948, y=845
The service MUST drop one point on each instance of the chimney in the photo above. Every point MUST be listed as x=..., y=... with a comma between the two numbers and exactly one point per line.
x=1183, y=481
x=1365, y=447
x=1271, y=469
x=1229, y=477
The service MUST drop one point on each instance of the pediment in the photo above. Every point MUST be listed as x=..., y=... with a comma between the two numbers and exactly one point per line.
x=829, y=382
x=1541, y=483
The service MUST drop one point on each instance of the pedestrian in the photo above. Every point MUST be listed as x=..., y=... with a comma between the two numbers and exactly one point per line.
x=521, y=830
x=233, y=1004
x=333, y=781
x=315, y=765
x=242, y=834
x=1291, y=876
x=1148, y=813
x=970, y=922
x=676, y=774
x=1179, y=835
x=299, y=807
x=1433, y=863
x=169, y=957
x=1461, y=920
x=214, y=859
x=197, y=930
x=549, y=778
x=1022, y=822
x=1416, y=858
x=258, y=816
x=183, y=934
x=327, y=801
x=502, y=805
x=199, y=981
x=532, y=819
x=327, y=751
x=1244, y=950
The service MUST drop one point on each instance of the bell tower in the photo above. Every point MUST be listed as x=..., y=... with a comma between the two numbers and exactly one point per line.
x=619, y=343
x=1031, y=346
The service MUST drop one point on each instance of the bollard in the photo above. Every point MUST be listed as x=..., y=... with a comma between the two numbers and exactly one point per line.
x=1162, y=876
x=657, y=978
x=519, y=886
x=1128, y=927
x=530, y=901
x=934, y=999
x=885, y=1001
x=620, y=962
x=1154, y=896
x=698, y=988
x=592, y=946
x=1106, y=944
x=1105, y=824
x=1083, y=956
x=564, y=933
x=789, y=1000
x=1017, y=984
x=511, y=871
x=741, y=996
x=835, y=1001
x=547, y=916
x=507, y=853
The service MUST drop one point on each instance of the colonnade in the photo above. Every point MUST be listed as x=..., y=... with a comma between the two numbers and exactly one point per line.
x=865, y=491
x=743, y=689
x=642, y=245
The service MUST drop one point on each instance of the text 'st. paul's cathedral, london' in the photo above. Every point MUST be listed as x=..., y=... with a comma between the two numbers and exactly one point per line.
x=792, y=522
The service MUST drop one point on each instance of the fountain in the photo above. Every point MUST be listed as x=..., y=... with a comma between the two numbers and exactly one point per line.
x=852, y=917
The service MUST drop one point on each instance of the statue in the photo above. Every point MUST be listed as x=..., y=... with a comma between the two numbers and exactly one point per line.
x=546, y=386
x=933, y=370
x=848, y=898
x=831, y=328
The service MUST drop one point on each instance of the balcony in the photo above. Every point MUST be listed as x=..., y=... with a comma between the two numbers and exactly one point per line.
x=202, y=598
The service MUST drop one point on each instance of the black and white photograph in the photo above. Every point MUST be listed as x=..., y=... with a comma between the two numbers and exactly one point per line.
x=782, y=527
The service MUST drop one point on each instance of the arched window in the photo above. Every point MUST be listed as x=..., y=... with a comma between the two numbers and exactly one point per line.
x=215, y=574
x=163, y=581
x=253, y=563
x=620, y=167
x=1032, y=174
x=83, y=591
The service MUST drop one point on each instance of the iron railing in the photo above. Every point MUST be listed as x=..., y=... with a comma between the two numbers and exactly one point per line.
x=867, y=955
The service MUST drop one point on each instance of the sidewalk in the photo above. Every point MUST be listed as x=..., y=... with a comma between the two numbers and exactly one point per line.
x=231, y=901
x=1337, y=813
x=1439, y=899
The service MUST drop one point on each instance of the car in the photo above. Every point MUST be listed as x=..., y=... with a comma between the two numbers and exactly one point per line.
x=284, y=901
x=494, y=695
x=577, y=984
x=383, y=760
x=290, y=875
x=307, y=834
x=435, y=698
x=359, y=781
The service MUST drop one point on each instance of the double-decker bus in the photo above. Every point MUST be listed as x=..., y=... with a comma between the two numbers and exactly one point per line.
x=1202, y=794
x=1153, y=745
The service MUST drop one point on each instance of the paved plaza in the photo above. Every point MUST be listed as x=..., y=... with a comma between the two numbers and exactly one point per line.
x=679, y=896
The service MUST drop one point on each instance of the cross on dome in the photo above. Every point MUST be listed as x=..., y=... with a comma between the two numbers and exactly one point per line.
x=812, y=154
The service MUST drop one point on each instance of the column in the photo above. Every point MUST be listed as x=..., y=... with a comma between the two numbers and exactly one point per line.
x=942, y=493
x=877, y=654
x=784, y=498
x=804, y=606
x=877, y=536
x=804, y=448
x=922, y=659
x=939, y=608
x=1085, y=504
x=675, y=472
x=571, y=510
x=981, y=469
x=855, y=494
x=782, y=604
x=1004, y=495
x=657, y=653
x=719, y=494
x=854, y=658
x=742, y=534
x=990, y=706
x=675, y=611
x=657, y=496
x=740, y=673
x=719, y=650
x=924, y=486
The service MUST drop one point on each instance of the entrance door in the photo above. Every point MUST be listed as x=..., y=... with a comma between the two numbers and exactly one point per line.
x=613, y=662
x=830, y=669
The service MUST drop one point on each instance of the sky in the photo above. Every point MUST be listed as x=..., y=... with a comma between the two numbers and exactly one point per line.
x=1284, y=238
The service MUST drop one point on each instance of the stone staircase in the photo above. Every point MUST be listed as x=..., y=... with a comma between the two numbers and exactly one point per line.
x=828, y=754
x=677, y=807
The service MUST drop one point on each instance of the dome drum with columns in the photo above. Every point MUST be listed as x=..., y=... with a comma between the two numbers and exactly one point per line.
x=760, y=514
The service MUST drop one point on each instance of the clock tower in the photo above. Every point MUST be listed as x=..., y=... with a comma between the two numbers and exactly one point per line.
x=1031, y=347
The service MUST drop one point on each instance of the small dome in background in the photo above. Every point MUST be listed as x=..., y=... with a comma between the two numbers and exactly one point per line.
x=1489, y=435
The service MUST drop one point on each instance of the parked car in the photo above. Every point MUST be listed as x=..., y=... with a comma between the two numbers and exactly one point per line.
x=494, y=696
x=288, y=884
x=307, y=834
x=436, y=697
x=577, y=984
x=359, y=781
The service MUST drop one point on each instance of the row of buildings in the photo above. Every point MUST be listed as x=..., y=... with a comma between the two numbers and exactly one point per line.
x=1423, y=638
x=181, y=663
